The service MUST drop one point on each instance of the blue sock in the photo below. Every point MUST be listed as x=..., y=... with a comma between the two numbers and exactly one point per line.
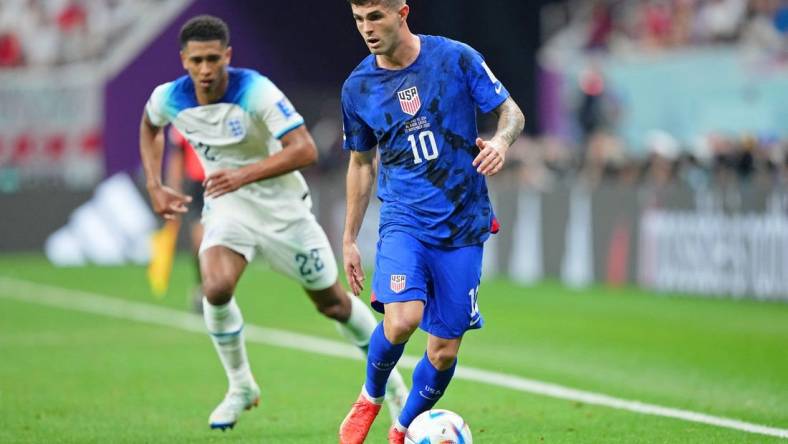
x=382, y=356
x=429, y=384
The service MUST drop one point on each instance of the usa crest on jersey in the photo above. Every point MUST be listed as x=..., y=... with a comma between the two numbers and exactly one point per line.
x=409, y=100
x=397, y=283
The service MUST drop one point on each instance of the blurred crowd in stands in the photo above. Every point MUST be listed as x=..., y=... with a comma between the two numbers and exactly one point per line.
x=609, y=28
x=638, y=25
x=59, y=32
x=717, y=161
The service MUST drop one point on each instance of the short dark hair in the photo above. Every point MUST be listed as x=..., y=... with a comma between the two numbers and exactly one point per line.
x=391, y=4
x=204, y=28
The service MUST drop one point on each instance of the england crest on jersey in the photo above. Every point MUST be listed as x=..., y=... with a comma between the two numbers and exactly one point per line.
x=236, y=128
x=409, y=100
x=397, y=283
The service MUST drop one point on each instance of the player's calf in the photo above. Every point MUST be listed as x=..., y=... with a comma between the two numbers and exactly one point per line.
x=429, y=385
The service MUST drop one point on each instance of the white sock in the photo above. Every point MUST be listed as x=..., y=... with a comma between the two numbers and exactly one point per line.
x=360, y=325
x=225, y=325
x=369, y=397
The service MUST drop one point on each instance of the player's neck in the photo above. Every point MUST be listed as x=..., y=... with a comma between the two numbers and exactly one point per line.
x=403, y=55
x=208, y=97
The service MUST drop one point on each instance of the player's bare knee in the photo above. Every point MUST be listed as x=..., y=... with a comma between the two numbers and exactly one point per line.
x=218, y=290
x=442, y=358
x=399, y=329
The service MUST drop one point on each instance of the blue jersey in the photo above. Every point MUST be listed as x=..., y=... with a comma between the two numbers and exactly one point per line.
x=423, y=121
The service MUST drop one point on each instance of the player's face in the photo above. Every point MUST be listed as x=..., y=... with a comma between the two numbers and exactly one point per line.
x=380, y=26
x=206, y=63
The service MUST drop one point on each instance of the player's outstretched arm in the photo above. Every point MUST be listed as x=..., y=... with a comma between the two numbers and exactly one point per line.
x=175, y=169
x=492, y=153
x=166, y=202
x=360, y=176
x=298, y=151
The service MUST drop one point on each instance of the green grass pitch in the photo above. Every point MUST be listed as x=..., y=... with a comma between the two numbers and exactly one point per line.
x=73, y=377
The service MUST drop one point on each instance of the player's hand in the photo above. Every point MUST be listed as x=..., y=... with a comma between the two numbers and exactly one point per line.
x=223, y=182
x=353, y=270
x=491, y=157
x=167, y=202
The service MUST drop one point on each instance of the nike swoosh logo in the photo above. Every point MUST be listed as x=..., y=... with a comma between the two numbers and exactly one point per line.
x=190, y=131
x=375, y=364
x=429, y=398
x=498, y=88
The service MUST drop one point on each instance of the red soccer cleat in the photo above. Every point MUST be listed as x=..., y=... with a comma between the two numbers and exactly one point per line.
x=395, y=436
x=357, y=423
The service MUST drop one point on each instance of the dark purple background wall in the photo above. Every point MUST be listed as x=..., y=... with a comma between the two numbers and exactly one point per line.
x=313, y=45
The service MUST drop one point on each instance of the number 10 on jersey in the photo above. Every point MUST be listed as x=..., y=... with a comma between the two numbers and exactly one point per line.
x=429, y=149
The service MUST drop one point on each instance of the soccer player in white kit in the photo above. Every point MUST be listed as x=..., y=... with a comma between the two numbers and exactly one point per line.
x=251, y=142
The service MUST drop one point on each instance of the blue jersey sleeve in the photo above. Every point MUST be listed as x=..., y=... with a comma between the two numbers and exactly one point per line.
x=487, y=91
x=357, y=134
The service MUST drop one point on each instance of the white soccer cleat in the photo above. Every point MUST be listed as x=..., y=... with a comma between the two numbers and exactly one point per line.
x=226, y=414
x=396, y=394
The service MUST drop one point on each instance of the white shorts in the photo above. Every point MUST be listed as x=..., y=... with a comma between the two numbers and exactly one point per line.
x=291, y=242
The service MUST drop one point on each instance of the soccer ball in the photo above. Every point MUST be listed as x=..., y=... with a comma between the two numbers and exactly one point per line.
x=438, y=426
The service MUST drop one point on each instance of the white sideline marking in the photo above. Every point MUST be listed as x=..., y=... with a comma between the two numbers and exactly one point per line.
x=108, y=306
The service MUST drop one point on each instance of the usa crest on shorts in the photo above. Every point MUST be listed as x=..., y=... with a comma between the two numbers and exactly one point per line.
x=409, y=100
x=397, y=283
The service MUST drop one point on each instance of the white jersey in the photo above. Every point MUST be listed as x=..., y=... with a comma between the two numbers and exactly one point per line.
x=271, y=217
x=244, y=127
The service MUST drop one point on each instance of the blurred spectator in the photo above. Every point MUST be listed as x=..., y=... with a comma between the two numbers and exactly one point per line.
x=720, y=20
x=781, y=18
x=58, y=32
x=762, y=30
x=10, y=50
x=663, y=162
x=602, y=25
x=683, y=28
x=592, y=112
x=604, y=159
x=656, y=24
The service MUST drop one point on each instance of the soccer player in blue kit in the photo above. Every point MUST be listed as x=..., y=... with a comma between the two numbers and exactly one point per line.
x=415, y=99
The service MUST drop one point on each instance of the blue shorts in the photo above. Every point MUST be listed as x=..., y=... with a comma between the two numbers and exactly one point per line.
x=445, y=279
